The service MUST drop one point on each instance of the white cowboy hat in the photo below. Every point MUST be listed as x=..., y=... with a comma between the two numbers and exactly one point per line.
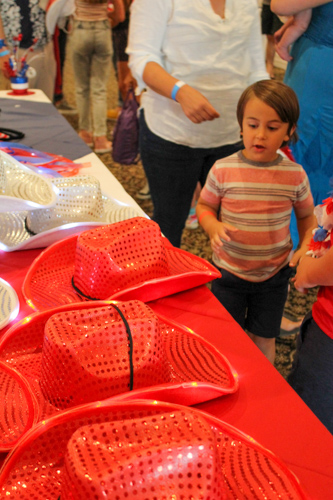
x=9, y=303
x=80, y=206
x=55, y=10
x=22, y=189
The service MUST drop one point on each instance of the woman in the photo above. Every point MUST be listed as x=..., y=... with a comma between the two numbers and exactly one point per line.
x=91, y=56
x=310, y=74
x=194, y=59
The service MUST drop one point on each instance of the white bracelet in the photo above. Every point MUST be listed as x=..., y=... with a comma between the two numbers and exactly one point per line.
x=175, y=89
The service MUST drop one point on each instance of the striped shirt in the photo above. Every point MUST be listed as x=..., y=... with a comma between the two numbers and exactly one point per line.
x=256, y=198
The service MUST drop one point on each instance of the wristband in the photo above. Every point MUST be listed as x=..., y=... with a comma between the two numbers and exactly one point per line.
x=175, y=89
x=4, y=53
x=203, y=214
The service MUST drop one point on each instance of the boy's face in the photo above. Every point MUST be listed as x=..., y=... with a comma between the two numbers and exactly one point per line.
x=263, y=131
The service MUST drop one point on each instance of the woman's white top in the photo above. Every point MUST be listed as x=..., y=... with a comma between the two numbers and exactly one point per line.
x=218, y=57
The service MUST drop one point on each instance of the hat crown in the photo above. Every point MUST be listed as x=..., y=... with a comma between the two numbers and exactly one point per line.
x=17, y=181
x=79, y=199
x=85, y=355
x=163, y=456
x=117, y=256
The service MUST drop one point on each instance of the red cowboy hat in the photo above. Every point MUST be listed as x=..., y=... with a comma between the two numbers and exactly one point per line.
x=125, y=260
x=96, y=350
x=142, y=450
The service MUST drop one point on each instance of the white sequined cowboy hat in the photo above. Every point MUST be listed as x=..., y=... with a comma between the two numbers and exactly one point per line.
x=56, y=10
x=79, y=206
x=81, y=353
x=9, y=303
x=21, y=188
x=125, y=260
x=143, y=450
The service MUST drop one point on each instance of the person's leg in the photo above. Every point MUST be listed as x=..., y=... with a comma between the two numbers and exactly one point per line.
x=270, y=53
x=172, y=171
x=265, y=309
x=43, y=63
x=232, y=291
x=311, y=373
x=100, y=72
x=82, y=46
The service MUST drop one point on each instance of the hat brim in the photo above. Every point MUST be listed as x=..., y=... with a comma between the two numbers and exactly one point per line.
x=10, y=304
x=16, y=419
x=35, y=192
x=35, y=466
x=48, y=282
x=209, y=375
x=15, y=236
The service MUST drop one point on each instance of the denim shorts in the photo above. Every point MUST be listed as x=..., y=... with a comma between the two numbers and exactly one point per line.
x=257, y=307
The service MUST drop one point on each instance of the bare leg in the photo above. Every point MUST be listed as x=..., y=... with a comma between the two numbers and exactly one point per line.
x=267, y=346
x=270, y=53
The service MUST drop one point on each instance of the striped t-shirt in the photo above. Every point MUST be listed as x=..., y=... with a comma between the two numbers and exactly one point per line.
x=257, y=198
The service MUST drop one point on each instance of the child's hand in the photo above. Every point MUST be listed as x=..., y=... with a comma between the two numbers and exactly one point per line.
x=300, y=280
x=219, y=234
x=298, y=255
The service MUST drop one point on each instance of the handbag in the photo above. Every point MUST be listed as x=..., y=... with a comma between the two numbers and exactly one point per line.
x=125, y=144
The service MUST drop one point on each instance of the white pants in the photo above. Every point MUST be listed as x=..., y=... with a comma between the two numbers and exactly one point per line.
x=91, y=55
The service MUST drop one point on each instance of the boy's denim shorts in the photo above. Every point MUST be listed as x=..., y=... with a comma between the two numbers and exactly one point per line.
x=257, y=307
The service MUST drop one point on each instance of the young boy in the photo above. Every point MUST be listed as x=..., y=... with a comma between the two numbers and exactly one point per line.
x=245, y=208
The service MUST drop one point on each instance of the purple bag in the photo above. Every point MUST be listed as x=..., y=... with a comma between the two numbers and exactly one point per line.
x=125, y=146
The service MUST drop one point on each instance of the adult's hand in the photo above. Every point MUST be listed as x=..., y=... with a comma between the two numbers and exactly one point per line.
x=195, y=106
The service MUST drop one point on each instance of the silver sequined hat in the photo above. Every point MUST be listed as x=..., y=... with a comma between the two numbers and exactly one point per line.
x=21, y=188
x=80, y=206
x=9, y=303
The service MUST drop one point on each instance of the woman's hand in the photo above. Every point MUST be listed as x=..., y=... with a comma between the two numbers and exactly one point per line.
x=195, y=106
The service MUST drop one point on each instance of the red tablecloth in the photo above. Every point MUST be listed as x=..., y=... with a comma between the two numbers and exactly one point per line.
x=265, y=407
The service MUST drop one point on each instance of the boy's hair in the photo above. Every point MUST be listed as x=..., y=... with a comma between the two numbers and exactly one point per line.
x=278, y=96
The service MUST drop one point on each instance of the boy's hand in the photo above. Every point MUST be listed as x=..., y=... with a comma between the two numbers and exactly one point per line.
x=298, y=255
x=300, y=280
x=220, y=232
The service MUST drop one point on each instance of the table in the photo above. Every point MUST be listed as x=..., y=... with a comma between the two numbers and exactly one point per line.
x=264, y=407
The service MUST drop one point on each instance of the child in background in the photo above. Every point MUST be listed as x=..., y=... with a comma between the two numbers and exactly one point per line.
x=290, y=32
x=312, y=375
x=245, y=208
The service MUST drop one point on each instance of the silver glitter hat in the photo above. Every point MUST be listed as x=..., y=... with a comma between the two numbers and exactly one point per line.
x=21, y=188
x=80, y=206
x=9, y=303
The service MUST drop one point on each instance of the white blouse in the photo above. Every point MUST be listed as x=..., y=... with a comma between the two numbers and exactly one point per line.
x=218, y=57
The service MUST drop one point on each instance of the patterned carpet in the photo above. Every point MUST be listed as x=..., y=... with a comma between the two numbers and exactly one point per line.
x=133, y=179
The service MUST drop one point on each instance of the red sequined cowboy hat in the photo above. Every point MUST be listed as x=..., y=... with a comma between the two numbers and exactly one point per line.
x=142, y=450
x=125, y=260
x=96, y=350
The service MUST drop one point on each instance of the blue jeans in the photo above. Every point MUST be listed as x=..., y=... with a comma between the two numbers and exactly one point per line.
x=173, y=171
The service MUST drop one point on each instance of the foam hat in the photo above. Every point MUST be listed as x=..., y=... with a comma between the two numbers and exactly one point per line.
x=97, y=350
x=21, y=188
x=80, y=206
x=142, y=450
x=126, y=260
x=9, y=303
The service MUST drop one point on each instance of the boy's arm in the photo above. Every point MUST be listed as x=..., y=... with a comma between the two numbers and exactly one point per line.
x=313, y=272
x=306, y=223
x=216, y=230
x=290, y=32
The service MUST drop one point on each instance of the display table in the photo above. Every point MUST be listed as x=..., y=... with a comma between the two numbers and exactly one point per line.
x=264, y=407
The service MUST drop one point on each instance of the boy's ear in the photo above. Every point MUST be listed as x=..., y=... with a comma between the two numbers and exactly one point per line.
x=290, y=133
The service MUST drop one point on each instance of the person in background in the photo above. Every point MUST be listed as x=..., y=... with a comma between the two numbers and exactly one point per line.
x=245, y=209
x=60, y=43
x=91, y=58
x=310, y=74
x=193, y=59
x=270, y=23
x=311, y=375
x=27, y=18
